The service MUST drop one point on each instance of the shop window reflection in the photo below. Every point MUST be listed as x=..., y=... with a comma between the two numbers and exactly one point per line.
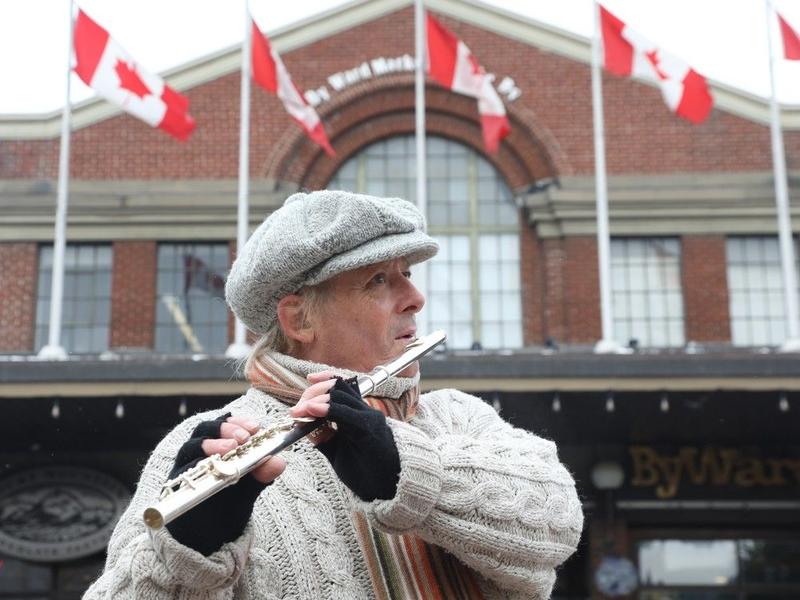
x=735, y=569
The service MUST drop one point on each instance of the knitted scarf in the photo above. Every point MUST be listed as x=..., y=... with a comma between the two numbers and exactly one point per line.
x=401, y=567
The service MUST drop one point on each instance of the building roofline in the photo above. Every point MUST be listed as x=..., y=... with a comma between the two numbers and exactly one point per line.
x=309, y=30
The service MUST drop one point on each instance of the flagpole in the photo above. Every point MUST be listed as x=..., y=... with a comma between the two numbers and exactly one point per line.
x=240, y=348
x=607, y=344
x=790, y=293
x=54, y=350
x=419, y=118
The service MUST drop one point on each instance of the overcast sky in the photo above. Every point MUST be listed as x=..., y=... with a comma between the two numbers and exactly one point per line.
x=723, y=39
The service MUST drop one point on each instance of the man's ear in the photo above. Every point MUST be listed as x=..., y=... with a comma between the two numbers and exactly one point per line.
x=292, y=319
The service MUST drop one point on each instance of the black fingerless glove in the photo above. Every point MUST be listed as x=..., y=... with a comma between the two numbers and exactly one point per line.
x=222, y=517
x=362, y=451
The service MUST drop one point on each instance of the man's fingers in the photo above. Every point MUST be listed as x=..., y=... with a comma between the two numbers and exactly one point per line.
x=218, y=446
x=313, y=407
x=317, y=389
x=233, y=431
x=251, y=425
x=321, y=376
x=269, y=470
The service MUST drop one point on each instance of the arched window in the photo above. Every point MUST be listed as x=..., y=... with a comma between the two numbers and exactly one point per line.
x=473, y=286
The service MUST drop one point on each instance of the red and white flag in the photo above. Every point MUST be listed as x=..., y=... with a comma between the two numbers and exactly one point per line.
x=791, y=41
x=628, y=54
x=270, y=73
x=452, y=64
x=104, y=66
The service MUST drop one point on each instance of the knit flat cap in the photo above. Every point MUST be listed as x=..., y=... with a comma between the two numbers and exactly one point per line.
x=314, y=237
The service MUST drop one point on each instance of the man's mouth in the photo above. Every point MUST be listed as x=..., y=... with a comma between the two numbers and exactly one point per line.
x=407, y=336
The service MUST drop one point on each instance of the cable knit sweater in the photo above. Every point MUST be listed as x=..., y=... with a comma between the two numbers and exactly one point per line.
x=494, y=496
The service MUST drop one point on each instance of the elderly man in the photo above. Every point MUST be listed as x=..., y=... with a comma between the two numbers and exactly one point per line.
x=403, y=497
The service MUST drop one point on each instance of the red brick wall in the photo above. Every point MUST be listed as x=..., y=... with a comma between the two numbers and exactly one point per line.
x=705, y=288
x=133, y=295
x=581, y=290
x=642, y=136
x=18, y=268
x=533, y=288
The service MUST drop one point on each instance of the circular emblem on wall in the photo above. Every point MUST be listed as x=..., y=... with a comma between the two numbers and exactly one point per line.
x=616, y=576
x=58, y=513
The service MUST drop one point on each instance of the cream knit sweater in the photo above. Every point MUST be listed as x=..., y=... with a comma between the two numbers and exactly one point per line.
x=494, y=496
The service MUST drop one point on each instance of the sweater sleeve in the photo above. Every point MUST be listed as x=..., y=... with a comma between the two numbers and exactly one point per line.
x=494, y=496
x=151, y=565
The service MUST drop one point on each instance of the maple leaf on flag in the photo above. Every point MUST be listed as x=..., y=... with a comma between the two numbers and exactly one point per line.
x=129, y=79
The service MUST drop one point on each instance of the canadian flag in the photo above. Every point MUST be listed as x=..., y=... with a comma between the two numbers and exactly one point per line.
x=791, y=41
x=629, y=54
x=104, y=66
x=452, y=64
x=270, y=73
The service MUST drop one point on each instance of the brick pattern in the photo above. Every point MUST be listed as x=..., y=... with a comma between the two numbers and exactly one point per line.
x=705, y=288
x=642, y=135
x=533, y=288
x=18, y=269
x=133, y=295
x=581, y=290
x=551, y=137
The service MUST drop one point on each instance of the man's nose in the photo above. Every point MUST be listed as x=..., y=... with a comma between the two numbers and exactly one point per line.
x=413, y=300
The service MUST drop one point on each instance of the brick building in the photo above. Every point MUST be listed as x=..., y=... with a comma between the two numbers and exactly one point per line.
x=685, y=450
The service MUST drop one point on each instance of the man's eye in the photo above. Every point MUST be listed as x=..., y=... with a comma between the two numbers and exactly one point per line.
x=379, y=278
x=407, y=274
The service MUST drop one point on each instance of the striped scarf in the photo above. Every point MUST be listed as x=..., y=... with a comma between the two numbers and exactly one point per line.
x=401, y=567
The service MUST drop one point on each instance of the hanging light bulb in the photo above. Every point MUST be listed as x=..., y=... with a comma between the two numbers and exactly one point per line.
x=556, y=403
x=664, y=405
x=120, y=411
x=610, y=402
x=182, y=408
x=783, y=402
x=55, y=411
x=496, y=403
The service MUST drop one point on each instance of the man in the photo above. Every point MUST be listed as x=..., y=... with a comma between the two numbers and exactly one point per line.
x=402, y=497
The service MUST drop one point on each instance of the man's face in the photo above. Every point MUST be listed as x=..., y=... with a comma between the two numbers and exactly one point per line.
x=367, y=317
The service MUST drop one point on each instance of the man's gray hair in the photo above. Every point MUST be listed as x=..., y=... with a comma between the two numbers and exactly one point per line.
x=275, y=339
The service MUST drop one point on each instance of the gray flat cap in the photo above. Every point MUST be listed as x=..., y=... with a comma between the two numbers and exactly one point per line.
x=315, y=236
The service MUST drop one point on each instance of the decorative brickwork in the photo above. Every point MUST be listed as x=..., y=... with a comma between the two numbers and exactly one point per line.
x=133, y=295
x=18, y=269
x=705, y=288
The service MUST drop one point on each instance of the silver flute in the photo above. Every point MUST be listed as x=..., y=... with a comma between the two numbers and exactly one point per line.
x=217, y=472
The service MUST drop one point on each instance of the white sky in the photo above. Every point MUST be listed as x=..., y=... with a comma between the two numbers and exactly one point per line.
x=722, y=39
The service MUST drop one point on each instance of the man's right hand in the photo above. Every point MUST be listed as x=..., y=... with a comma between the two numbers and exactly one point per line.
x=222, y=517
x=233, y=432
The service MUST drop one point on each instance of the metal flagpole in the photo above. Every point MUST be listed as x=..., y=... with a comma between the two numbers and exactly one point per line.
x=419, y=113
x=790, y=293
x=54, y=350
x=607, y=344
x=240, y=348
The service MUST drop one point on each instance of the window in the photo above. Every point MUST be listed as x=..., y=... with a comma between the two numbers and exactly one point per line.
x=86, y=307
x=473, y=287
x=735, y=569
x=755, y=291
x=646, y=290
x=191, y=316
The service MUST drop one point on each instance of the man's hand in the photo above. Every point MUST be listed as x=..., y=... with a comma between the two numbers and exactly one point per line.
x=222, y=517
x=361, y=450
x=233, y=432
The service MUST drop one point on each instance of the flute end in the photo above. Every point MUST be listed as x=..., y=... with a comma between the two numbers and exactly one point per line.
x=153, y=518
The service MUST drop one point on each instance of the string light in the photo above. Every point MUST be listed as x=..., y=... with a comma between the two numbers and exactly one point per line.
x=55, y=411
x=783, y=403
x=610, y=402
x=556, y=403
x=496, y=403
x=182, y=408
x=120, y=411
x=664, y=403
